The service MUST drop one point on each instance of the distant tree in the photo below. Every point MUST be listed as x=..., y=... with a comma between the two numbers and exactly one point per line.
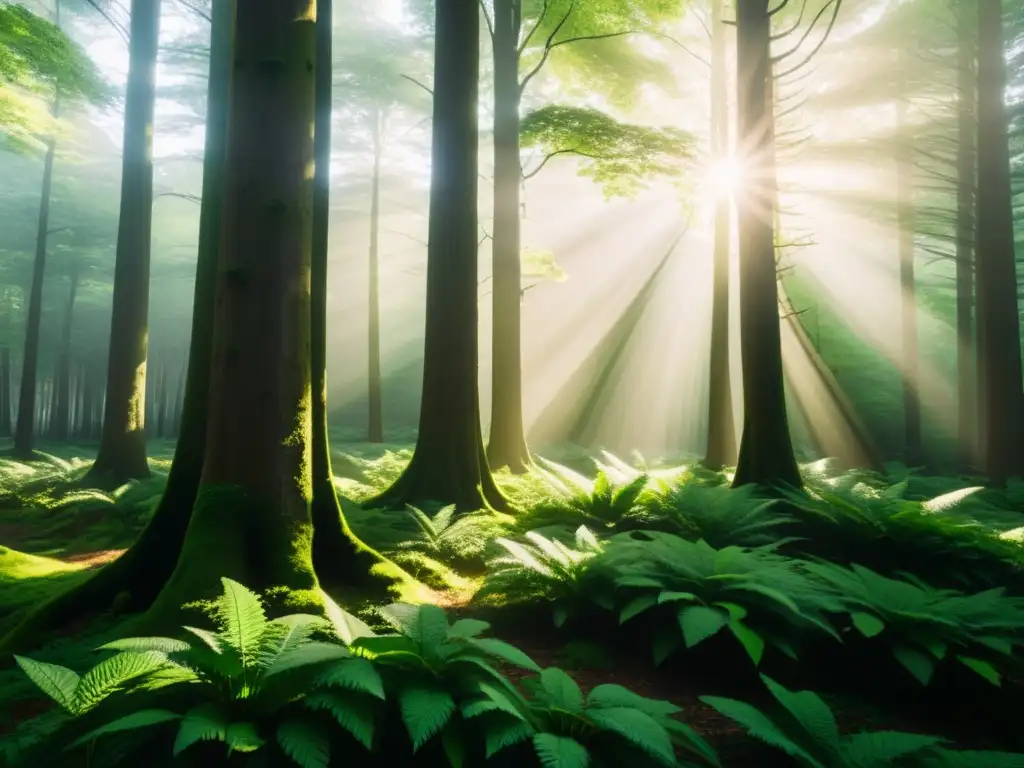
x=1001, y=419
x=449, y=465
x=122, y=453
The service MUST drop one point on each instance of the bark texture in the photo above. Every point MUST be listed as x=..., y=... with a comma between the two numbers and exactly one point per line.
x=122, y=453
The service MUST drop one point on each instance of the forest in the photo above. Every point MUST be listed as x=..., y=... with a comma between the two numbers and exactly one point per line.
x=484, y=383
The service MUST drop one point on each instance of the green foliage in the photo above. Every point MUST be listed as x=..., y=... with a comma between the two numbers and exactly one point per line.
x=620, y=157
x=803, y=726
x=924, y=625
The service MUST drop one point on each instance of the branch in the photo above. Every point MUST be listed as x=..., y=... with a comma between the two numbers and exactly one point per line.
x=487, y=18
x=118, y=27
x=183, y=195
x=540, y=20
x=548, y=45
x=837, y=4
x=577, y=152
x=417, y=82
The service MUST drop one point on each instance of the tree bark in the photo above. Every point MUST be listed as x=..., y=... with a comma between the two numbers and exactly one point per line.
x=1001, y=402
x=339, y=557
x=906, y=231
x=137, y=577
x=25, y=426
x=721, y=445
x=766, y=450
x=506, y=445
x=449, y=465
x=5, y=392
x=375, y=431
x=967, y=125
x=59, y=429
x=122, y=453
x=253, y=503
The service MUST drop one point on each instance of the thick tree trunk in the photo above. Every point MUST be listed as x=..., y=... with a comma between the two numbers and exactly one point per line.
x=5, y=392
x=721, y=447
x=60, y=428
x=375, y=431
x=999, y=359
x=906, y=231
x=449, y=465
x=253, y=503
x=137, y=577
x=339, y=557
x=122, y=453
x=506, y=445
x=24, y=429
x=967, y=125
x=766, y=450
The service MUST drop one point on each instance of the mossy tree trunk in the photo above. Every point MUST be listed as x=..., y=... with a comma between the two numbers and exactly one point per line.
x=253, y=502
x=122, y=453
x=967, y=126
x=136, y=578
x=906, y=232
x=721, y=446
x=506, y=446
x=449, y=465
x=25, y=425
x=375, y=426
x=339, y=557
x=1001, y=418
x=766, y=450
x=60, y=428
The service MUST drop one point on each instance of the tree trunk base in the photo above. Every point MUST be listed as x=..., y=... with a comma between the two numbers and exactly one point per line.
x=426, y=481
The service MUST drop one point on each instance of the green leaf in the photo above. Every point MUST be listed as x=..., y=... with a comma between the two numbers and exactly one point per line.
x=140, y=644
x=867, y=624
x=637, y=728
x=286, y=634
x=811, y=712
x=699, y=622
x=916, y=663
x=883, y=748
x=560, y=751
x=636, y=606
x=468, y=628
x=453, y=744
x=304, y=743
x=752, y=642
x=561, y=690
x=203, y=723
x=504, y=734
x=351, y=714
x=760, y=726
x=354, y=674
x=426, y=625
x=112, y=674
x=59, y=683
x=425, y=712
x=665, y=642
x=609, y=695
x=499, y=649
x=347, y=627
x=690, y=740
x=674, y=597
x=639, y=582
x=242, y=621
x=140, y=719
x=307, y=655
x=495, y=701
x=983, y=668
x=243, y=737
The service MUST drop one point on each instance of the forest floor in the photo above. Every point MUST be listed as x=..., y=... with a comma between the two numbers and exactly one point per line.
x=50, y=539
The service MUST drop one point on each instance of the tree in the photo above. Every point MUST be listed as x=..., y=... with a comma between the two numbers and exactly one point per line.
x=122, y=453
x=721, y=446
x=766, y=450
x=1001, y=401
x=449, y=465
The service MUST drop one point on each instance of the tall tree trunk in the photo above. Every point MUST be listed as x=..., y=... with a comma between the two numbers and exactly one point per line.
x=62, y=410
x=254, y=497
x=506, y=445
x=721, y=447
x=449, y=464
x=82, y=400
x=338, y=556
x=161, y=403
x=766, y=450
x=967, y=125
x=25, y=427
x=141, y=572
x=122, y=453
x=999, y=362
x=375, y=432
x=5, y=392
x=906, y=231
